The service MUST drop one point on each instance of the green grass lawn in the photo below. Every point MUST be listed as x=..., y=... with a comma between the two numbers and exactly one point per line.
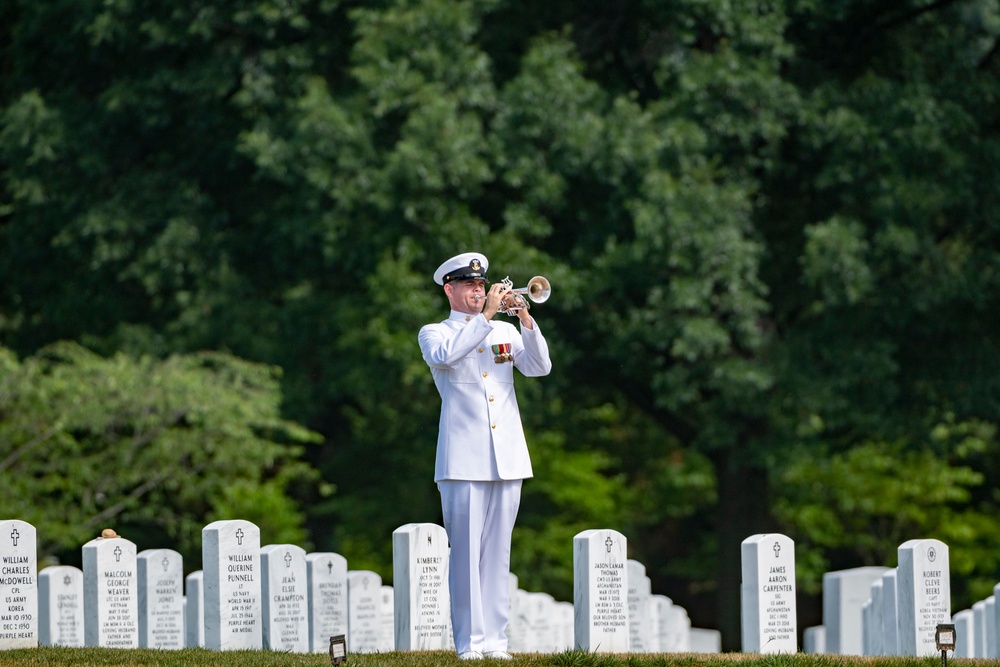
x=100, y=657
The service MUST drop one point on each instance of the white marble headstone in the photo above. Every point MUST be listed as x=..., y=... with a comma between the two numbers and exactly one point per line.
x=420, y=578
x=640, y=624
x=992, y=622
x=194, y=613
x=60, y=606
x=683, y=641
x=923, y=593
x=326, y=574
x=867, y=628
x=844, y=591
x=990, y=614
x=653, y=624
x=814, y=639
x=285, y=607
x=979, y=618
x=230, y=558
x=387, y=633
x=516, y=632
x=364, y=611
x=890, y=629
x=531, y=641
x=705, y=640
x=965, y=634
x=161, y=599
x=541, y=621
x=677, y=627
x=877, y=642
x=768, y=601
x=110, y=595
x=664, y=616
x=564, y=616
x=600, y=592
x=18, y=585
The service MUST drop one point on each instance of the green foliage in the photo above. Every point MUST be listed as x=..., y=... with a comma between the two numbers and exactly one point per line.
x=155, y=449
x=770, y=226
x=868, y=500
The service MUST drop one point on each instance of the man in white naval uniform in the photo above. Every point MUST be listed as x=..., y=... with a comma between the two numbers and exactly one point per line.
x=482, y=456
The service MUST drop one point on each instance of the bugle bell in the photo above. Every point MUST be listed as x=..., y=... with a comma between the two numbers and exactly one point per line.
x=538, y=290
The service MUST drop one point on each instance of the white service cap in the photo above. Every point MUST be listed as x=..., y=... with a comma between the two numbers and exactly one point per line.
x=467, y=266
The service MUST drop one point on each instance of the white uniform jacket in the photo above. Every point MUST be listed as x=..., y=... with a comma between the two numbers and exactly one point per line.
x=480, y=437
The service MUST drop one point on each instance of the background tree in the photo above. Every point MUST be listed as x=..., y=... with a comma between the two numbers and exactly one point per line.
x=770, y=227
x=156, y=449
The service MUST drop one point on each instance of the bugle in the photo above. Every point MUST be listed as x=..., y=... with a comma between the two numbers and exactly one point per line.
x=538, y=290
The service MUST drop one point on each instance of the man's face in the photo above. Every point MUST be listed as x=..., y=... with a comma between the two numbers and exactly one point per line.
x=462, y=295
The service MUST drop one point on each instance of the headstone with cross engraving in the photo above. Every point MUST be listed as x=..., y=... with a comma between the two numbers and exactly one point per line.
x=326, y=576
x=230, y=558
x=600, y=592
x=194, y=613
x=285, y=598
x=420, y=579
x=923, y=594
x=364, y=611
x=161, y=599
x=768, y=594
x=844, y=592
x=18, y=585
x=110, y=595
x=60, y=606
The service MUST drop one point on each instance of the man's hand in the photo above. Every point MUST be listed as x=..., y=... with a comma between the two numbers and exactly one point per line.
x=525, y=318
x=494, y=298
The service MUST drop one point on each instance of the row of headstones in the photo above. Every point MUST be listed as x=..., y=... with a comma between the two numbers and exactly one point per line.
x=615, y=610
x=125, y=599
x=978, y=629
x=889, y=611
x=281, y=598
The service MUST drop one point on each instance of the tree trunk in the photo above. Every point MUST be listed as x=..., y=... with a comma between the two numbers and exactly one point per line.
x=744, y=510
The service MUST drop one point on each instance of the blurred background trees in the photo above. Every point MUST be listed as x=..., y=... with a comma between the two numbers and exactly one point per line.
x=770, y=227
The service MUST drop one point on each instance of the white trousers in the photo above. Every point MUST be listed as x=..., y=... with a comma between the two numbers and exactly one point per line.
x=479, y=518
